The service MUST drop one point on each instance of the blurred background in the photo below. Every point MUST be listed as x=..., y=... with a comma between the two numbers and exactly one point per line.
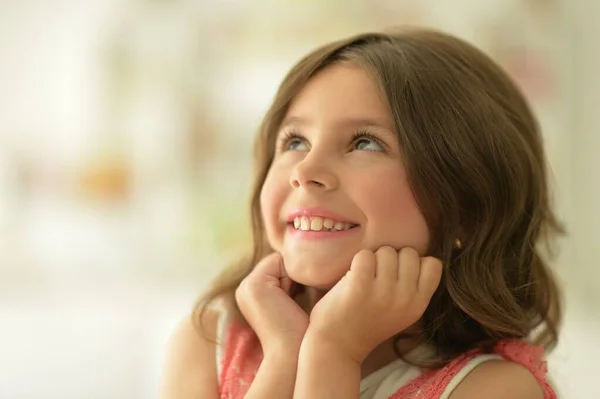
x=125, y=152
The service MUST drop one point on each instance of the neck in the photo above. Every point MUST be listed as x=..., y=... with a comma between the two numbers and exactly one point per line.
x=308, y=297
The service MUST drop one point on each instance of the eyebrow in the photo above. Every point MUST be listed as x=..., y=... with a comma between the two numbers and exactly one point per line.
x=346, y=122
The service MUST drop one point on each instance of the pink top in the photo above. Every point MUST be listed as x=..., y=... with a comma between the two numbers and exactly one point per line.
x=241, y=357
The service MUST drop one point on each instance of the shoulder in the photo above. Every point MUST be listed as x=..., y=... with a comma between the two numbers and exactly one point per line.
x=190, y=363
x=188, y=335
x=495, y=379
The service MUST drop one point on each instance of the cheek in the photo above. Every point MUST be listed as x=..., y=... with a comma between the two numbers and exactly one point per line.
x=272, y=197
x=265, y=198
x=393, y=214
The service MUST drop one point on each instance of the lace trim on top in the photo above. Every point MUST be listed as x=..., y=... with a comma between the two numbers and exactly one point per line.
x=242, y=355
x=432, y=384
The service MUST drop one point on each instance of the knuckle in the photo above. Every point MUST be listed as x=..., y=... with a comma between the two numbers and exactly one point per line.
x=386, y=249
x=239, y=296
x=364, y=253
x=432, y=268
x=361, y=267
x=246, y=287
x=241, y=290
x=430, y=259
x=407, y=251
x=363, y=259
x=387, y=256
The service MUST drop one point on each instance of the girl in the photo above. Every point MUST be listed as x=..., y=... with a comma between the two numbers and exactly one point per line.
x=400, y=198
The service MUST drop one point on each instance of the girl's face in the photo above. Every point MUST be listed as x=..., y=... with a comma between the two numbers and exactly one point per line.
x=337, y=183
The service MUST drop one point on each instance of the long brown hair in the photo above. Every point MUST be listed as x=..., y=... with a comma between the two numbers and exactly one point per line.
x=475, y=160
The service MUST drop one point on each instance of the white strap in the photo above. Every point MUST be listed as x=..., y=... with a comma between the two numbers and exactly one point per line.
x=476, y=361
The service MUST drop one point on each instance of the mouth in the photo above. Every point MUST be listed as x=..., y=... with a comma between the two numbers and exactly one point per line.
x=318, y=223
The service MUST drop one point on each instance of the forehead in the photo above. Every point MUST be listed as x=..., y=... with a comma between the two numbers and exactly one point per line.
x=340, y=94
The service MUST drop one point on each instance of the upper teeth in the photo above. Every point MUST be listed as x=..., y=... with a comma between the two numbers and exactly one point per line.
x=316, y=223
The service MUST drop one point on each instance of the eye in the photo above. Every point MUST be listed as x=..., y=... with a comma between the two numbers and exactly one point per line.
x=367, y=142
x=291, y=141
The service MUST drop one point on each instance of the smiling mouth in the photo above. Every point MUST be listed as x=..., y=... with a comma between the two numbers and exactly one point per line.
x=317, y=223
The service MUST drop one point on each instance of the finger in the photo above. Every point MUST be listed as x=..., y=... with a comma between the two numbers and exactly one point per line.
x=429, y=277
x=363, y=265
x=409, y=263
x=272, y=267
x=387, y=264
x=284, y=280
x=286, y=284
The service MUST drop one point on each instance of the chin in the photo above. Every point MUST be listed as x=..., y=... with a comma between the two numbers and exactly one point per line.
x=311, y=272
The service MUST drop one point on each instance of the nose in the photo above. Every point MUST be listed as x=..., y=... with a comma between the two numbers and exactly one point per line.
x=313, y=173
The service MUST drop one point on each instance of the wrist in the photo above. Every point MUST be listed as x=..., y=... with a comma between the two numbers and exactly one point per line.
x=316, y=344
x=282, y=351
x=325, y=367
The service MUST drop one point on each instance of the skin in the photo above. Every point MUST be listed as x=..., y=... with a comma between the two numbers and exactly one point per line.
x=361, y=179
x=375, y=272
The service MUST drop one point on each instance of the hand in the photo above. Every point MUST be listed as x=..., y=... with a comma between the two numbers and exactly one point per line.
x=382, y=294
x=264, y=299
